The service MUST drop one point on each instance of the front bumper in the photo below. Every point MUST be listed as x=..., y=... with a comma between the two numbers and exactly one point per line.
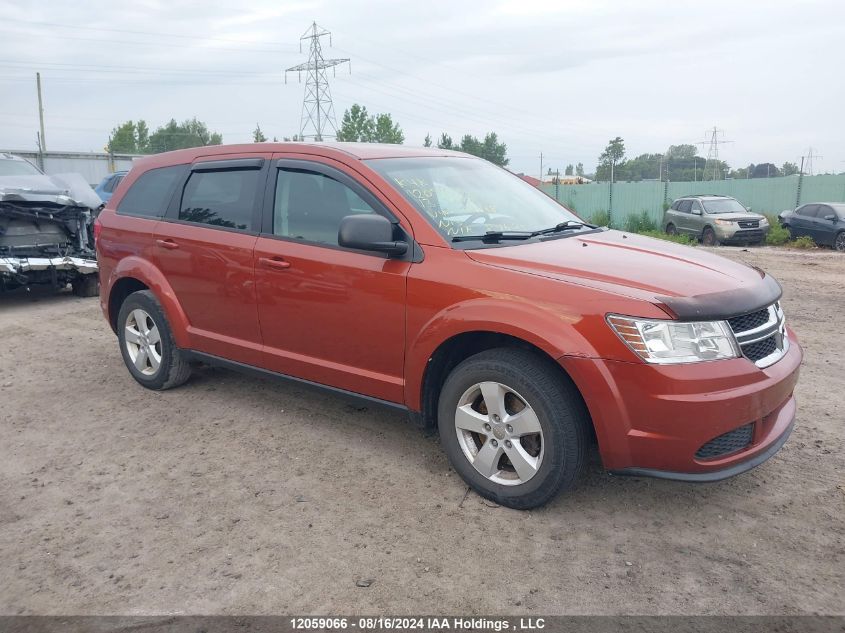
x=740, y=235
x=653, y=419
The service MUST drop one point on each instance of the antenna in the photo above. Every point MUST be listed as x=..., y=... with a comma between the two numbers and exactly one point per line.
x=317, y=107
x=711, y=138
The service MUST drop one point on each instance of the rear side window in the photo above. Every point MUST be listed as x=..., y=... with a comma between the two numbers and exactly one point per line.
x=221, y=198
x=150, y=194
x=685, y=206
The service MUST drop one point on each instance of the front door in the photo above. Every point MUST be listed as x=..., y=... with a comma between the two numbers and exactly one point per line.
x=328, y=314
x=204, y=247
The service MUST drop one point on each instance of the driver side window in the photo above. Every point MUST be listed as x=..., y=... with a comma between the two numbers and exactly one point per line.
x=309, y=206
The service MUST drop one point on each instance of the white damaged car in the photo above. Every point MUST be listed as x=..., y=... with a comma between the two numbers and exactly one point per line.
x=46, y=228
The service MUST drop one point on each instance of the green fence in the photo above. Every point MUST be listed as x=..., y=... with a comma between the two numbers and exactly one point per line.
x=763, y=195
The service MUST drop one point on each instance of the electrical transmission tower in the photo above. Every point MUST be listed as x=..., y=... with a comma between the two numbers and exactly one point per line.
x=807, y=166
x=712, y=140
x=317, y=107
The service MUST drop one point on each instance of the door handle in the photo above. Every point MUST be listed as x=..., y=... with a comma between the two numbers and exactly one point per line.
x=168, y=244
x=276, y=263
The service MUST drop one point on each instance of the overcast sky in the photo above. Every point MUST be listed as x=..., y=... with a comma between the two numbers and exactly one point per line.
x=556, y=77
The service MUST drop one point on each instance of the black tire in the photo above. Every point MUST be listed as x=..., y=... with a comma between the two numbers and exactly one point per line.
x=708, y=237
x=839, y=242
x=173, y=370
x=558, y=406
x=86, y=285
x=671, y=229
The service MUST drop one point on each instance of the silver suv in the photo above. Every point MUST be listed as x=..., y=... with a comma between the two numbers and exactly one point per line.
x=715, y=220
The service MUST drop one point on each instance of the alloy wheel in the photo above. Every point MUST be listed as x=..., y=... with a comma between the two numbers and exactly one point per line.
x=499, y=433
x=840, y=242
x=143, y=342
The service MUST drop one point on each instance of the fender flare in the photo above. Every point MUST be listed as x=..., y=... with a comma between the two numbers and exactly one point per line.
x=549, y=331
x=147, y=273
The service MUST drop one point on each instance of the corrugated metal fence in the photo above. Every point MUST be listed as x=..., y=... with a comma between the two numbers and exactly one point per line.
x=763, y=195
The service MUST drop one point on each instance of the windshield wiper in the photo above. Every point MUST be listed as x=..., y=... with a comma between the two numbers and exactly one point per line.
x=495, y=236
x=563, y=226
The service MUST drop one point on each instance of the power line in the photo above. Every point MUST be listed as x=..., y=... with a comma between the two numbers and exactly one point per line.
x=808, y=164
x=713, y=140
x=317, y=106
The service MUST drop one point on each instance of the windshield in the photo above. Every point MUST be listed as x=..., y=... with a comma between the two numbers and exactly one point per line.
x=723, y=205
x=17, y=168
x=467, y=196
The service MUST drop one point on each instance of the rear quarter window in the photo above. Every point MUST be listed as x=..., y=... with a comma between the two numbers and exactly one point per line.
x=150, y=195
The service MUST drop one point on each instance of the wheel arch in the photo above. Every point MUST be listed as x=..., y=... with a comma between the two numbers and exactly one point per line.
x=133, y=274
x=457, y=348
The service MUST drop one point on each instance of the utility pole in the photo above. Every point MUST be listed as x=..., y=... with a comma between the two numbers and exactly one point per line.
x=42, y=140
x=317, y=106
x=541, y=167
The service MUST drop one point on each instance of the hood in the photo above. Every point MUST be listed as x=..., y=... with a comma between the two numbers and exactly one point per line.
x=645, y=268
x=59, y=190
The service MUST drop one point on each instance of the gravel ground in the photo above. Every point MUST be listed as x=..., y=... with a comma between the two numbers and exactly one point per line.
x=234, y=495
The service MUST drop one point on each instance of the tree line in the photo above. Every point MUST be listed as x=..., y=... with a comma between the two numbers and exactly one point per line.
x=357, y=126
x=677, y=163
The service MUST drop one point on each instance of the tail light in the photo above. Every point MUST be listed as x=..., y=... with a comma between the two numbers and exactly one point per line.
x=98, y=227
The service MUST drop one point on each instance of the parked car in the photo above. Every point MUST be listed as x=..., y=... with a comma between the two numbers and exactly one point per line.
x=715, y=220
x=108, y=184
x=822, y=221
x=46, y=228
x=439, y=284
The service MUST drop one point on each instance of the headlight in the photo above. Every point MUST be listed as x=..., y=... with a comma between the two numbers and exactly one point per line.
x=669, y=342
x=764, y=222
x=724, y=222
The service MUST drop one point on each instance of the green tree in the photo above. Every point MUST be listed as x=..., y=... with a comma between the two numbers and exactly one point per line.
x=579, y=169
x=189, y=133
x=488, y=149
x=386, y=131
x=357, y=126
x=683, y=152
x=789, y=169
x=258, y=135
x=129, y=138
x=427, y=141
x=612, y=155
x=445, y=142
x=295, y=138
x=765, y=170
x=568, y=170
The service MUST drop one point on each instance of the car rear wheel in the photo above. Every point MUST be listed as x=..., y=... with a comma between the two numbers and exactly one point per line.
x=513, y=427
x=147, y=345
x=708, y=238
x=671, y=229
x=839, y=242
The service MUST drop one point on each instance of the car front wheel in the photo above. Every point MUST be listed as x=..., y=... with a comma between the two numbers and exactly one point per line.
x=839, y=242
x=147, y=345
x=513, y=426
x=708, y=238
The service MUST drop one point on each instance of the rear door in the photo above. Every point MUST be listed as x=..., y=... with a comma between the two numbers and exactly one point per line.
x=328, y=314
x=683, y=216
x=204, y=246
x=823, y=230
x=802, y=220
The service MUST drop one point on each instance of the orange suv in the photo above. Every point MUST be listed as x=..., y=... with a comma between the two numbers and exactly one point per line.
x=439, y=284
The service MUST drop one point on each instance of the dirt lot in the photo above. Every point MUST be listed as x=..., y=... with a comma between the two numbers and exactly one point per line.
x=232, y=495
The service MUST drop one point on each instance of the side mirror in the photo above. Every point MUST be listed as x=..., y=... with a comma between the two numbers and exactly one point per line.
x=370, y=232
x=831, y=218
x=696, y=212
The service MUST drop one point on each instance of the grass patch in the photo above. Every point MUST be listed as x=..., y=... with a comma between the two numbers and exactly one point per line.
x=641, y=223
x=686, y=240
x=777, y=235
x=600, y=218
x=803, y=242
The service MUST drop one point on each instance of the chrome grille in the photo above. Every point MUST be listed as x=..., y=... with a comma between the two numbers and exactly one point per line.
x=749, y=224
x=761, y=335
